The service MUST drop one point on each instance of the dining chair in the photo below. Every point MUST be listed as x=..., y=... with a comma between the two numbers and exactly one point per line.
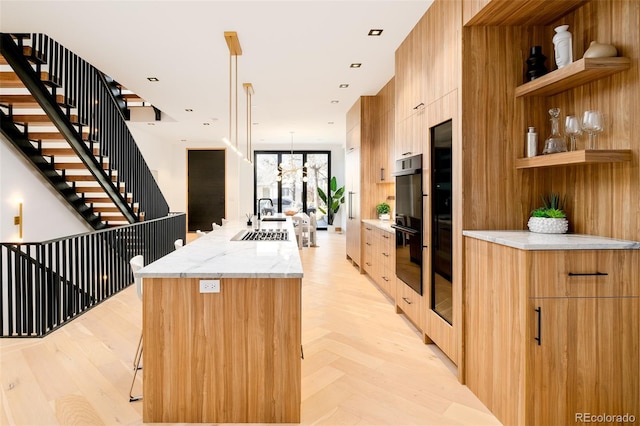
x=178, y=243
x=136, y=262
x=200, y=233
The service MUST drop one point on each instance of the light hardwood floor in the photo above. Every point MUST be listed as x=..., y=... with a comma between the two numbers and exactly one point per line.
x=363, y=364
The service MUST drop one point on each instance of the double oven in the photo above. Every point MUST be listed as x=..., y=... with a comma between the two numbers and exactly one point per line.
x=408, y=221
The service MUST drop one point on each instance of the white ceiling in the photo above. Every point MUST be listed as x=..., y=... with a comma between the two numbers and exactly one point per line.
x=295, y=53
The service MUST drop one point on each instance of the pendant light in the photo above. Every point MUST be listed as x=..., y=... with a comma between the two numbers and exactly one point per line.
x=234, y=51
x=284, y=169
x=248, y=88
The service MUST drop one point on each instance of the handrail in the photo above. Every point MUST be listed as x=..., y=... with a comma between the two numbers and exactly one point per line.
x=46, y=284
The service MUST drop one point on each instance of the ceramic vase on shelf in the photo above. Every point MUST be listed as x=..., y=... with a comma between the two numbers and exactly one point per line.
x=535, y=63
x=600, y=50
x=562, y=46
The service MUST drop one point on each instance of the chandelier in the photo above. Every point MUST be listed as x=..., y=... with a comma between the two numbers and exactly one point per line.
x=291, y=168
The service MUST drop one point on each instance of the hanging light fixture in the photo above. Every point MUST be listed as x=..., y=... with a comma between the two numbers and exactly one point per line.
x=234, y=51
x=284, y=169
x=248, y=88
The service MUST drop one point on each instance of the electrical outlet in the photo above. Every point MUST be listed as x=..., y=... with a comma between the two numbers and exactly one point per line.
x=209, y=286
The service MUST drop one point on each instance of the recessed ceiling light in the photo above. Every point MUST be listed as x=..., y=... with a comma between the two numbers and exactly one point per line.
x=355, y=65
x=334, y=101
x=188, y=109
x=375, y=32
x=255, y=124
x=330, y=122
x=343, y=86
x=183, y=140
x=153, y=79
x=151, y=124
x=206, y=124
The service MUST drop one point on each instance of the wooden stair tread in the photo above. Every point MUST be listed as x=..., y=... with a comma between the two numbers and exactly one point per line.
x=25, y=101
x=107, y=209
x=53, y=136
x=85, y=178
x=65, y=152
x=38, y=119
x=10, y=79
x=26, y=51
x=73, y=166
x=131, y=97
x=89, y=189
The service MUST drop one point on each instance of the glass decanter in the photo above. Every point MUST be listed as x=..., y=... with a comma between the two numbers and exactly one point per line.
x=555, y=142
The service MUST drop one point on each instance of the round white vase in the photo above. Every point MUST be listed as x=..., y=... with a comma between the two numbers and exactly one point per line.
x=548, y=225
x=600, y=50
x=562, y=45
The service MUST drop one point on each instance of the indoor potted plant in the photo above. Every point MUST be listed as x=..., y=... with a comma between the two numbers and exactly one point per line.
x=383, y=209
x=332, y=200
x=550, y=218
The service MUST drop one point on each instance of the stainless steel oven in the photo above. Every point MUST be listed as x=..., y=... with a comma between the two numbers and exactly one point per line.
x=408, y=221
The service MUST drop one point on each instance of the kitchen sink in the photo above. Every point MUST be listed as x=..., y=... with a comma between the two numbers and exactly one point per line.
x=262, y=235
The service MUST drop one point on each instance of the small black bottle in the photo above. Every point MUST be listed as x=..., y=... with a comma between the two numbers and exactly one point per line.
x=535, y=63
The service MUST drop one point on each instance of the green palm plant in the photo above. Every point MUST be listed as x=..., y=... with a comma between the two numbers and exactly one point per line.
x=333, y=200
x=552, y=206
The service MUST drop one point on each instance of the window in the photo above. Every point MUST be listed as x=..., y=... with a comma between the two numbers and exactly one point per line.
x=292, y=191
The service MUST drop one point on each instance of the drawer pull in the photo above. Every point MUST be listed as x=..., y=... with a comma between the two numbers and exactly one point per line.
x=407, y=300
x=385, y=254
x=539, y=315
x=368, y=244
x=385, y=236
x=385, y=278
x=587, y=274
x=368, y=264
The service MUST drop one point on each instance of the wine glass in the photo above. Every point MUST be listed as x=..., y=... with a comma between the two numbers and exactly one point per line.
x=572, y=129
x=592, y=123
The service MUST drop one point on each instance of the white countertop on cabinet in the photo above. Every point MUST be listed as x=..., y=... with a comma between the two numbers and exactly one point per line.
x=526, y=240
x=385, y=225
x=216, y=256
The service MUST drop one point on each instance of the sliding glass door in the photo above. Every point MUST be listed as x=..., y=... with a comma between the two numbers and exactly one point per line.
x=291, y=181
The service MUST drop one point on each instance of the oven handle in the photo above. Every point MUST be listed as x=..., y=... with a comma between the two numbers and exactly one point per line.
x=404, y=229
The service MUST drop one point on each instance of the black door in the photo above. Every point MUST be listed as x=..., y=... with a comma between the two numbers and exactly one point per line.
x=205, y=188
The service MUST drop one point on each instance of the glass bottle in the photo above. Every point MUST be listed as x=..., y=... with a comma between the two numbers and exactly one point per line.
x=555, y=142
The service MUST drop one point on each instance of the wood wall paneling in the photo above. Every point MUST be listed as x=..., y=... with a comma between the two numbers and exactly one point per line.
x=225, y=357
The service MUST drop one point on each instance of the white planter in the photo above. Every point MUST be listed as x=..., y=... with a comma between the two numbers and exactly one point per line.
x=384, y=216
x=548, y=225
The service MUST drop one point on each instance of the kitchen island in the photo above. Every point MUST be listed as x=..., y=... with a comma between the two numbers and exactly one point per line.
x=222, y=330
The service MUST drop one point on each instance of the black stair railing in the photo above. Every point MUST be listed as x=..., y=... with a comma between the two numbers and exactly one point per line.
x=87, y=95
x=46, y=284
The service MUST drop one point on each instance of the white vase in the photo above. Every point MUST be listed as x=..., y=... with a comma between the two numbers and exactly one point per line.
x=562, y=45
x=384, y=216
x=548, y=225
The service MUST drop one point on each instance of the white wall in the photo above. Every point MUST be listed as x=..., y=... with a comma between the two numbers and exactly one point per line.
x=46, y=215
x=170, y=162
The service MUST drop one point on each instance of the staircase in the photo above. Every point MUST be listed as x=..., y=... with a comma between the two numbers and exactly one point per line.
x=68, y=119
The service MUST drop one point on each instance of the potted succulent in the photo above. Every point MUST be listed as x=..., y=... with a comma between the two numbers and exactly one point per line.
x=383, y=209
x=550, y=218
x=332, y=200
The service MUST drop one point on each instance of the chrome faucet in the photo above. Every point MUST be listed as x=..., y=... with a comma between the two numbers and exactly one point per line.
x=263, y=199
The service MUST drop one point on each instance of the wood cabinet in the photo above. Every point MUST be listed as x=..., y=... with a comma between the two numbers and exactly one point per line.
x=410, y=303
x=379, y=257
x=551, y=334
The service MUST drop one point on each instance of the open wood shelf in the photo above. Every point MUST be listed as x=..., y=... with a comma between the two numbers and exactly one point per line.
x=580, y=72
x=575, y=157
x=510, y=12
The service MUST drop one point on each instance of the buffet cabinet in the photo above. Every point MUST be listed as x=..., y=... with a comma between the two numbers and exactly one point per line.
x=552, y=336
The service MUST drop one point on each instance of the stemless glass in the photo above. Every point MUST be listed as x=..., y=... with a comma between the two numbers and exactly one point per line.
x=572, y=129
x=592, y=123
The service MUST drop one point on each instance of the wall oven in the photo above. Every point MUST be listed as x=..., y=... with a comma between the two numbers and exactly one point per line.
x=408, y=221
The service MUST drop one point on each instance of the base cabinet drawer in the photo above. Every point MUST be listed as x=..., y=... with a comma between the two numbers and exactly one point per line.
x=409, y=303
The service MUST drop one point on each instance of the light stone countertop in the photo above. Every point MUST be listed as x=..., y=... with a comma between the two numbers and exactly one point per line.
x=385, y=225
x=216, y=256
x=525, y=240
